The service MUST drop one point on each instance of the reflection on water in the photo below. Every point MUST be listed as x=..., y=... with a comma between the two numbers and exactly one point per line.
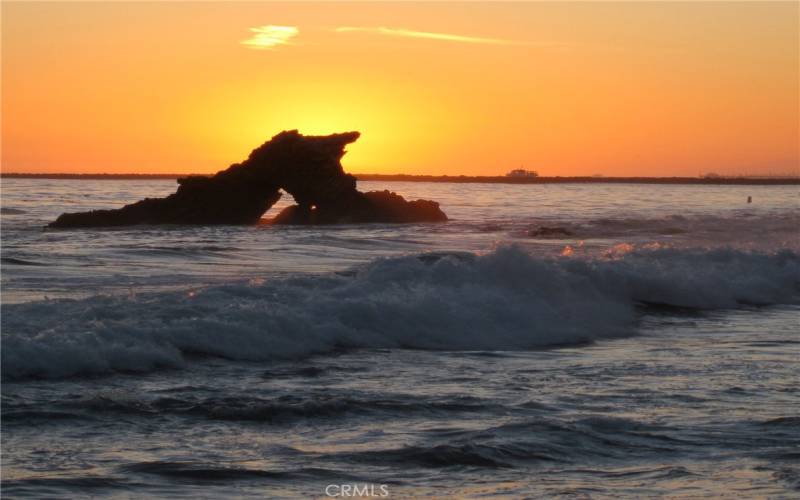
x=592, y=218
x=272, y=362
x=697, y=406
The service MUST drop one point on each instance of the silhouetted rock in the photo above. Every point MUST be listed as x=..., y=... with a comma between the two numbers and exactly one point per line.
x=198, y=200
x=549, y=232
x=373, y=206
x=307, y=167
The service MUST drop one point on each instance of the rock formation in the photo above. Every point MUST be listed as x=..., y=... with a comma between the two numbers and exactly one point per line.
x=549, y=232
x=307, y=167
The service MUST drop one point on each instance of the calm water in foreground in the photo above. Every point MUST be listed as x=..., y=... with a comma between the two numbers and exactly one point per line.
x=650, y=346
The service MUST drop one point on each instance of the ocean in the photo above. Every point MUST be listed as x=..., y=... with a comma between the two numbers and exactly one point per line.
x=559, y=340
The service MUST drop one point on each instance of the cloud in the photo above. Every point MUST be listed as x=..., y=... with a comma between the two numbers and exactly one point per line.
x=269, y=36
x=424, y=34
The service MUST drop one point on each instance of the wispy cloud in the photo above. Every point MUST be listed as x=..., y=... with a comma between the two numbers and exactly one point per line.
x=269, y=36
x=448, y=37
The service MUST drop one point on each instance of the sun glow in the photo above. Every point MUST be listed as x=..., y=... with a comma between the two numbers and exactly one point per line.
x=474, y=89
x=395, y=125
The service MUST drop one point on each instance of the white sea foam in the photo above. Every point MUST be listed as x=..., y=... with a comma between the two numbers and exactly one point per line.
x=504, y=300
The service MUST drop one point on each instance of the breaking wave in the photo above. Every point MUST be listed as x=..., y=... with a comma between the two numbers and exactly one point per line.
x=504, y=300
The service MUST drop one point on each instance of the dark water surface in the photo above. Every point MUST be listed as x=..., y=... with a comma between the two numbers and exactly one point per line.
x=650, y=348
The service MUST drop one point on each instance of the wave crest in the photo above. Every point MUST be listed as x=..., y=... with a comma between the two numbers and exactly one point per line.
x=504, y=300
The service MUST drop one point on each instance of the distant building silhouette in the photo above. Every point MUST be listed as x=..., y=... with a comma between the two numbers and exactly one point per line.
x=522, y=173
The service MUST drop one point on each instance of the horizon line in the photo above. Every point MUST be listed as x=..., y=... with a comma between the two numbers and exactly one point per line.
x=502, y=178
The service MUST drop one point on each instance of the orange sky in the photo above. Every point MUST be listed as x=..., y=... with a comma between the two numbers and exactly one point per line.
x=448, y=88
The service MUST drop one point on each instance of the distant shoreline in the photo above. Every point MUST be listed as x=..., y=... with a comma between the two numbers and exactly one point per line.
x=461, y=179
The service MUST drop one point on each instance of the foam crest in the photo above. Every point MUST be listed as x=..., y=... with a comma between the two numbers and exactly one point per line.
x=504, y=300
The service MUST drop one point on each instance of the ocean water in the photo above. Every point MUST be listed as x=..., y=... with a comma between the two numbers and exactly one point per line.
x=566, y=340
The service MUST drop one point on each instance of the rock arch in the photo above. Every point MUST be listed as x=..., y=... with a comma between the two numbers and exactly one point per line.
x=307, y=167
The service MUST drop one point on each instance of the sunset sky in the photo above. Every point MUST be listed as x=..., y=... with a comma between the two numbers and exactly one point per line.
x=448, y=88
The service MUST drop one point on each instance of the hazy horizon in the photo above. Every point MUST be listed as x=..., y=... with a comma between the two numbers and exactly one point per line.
x=170, y=174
